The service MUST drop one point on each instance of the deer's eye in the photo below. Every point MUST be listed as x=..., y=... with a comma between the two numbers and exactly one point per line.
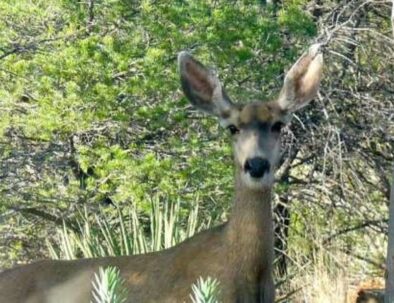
x=277, y=127
x=233, y=129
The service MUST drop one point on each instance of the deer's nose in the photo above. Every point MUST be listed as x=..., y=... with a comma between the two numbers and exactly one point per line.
x=257, y=167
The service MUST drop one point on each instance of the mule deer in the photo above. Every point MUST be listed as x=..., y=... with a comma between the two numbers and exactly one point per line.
x=238, y=253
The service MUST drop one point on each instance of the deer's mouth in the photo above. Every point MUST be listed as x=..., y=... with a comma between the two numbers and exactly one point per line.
x=258, y=183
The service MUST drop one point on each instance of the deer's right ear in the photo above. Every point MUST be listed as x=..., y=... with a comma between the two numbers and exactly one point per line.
x=204, y=90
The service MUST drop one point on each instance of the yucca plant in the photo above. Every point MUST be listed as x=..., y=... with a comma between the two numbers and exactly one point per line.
x=205, y=291
x=108, y=286
x=101, y=235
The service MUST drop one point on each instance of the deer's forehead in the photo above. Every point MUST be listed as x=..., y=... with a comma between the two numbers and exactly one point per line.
x=260, y=112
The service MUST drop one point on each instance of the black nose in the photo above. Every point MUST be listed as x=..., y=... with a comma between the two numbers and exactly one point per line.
x=257, y=167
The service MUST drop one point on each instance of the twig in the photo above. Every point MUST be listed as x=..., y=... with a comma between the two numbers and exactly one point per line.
x=353, y=228
x=46, y=216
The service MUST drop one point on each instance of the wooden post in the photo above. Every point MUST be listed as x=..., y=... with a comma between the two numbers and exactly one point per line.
x=389, y=297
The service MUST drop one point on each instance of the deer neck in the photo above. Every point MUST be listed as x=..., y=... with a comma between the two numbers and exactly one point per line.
x=250, y=227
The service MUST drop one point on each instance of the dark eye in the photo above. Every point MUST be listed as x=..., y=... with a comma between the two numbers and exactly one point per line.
x=277, y=127
x=233, y=129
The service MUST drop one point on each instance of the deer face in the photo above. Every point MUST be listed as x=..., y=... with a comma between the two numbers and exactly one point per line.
x=255, y=127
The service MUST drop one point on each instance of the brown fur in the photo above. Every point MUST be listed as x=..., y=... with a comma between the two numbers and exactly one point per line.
x=268, y=112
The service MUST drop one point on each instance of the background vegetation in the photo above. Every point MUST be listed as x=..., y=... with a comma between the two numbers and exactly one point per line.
x=97, y=139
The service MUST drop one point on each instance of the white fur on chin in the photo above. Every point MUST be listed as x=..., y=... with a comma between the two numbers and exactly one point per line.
x=253, y=183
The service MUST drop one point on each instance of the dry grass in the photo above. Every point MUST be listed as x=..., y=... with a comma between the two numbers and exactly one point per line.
x=321, y=285
x=327, y=280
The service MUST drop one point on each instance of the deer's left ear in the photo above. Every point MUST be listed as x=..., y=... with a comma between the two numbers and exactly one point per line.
x=302, y=80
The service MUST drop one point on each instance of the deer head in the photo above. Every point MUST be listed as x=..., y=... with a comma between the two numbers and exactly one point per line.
x=255, y=127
